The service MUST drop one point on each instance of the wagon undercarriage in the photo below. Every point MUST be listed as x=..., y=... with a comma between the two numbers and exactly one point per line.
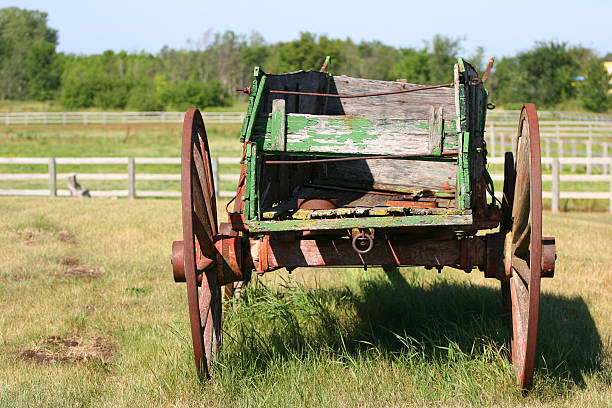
x=341, y=171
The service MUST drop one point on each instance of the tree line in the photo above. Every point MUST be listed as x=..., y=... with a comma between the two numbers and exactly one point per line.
x=550, y=74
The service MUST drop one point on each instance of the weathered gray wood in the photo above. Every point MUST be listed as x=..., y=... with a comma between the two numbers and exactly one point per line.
x=436, y=127
x=412, y=105
x=278, y=135
x=475, y=112
x=397, y=174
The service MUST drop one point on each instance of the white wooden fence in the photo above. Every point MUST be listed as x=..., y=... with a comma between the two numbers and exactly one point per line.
x=131, y=176
x=109, y=118
x=87, y=118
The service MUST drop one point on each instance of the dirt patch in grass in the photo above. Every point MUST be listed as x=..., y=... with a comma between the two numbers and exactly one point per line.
x=84, y=271
x=74, y=268
x=66, y=237
x=27, y=236
x=70, y=349
x=68, y=261
x=13, y=277
x=112, y=306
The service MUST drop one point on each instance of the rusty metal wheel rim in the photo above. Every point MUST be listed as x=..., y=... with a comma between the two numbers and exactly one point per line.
x=523, y=249
x=199, y=215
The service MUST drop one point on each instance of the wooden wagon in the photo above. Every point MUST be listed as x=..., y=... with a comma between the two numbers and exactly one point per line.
x=340, y=171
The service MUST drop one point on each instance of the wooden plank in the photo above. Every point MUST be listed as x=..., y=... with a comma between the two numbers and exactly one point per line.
x=436, y=131
x=278, y=137
x=351, y=135
x=476, y=99
x=413, y=105
x=361, y=222
x=402, y=175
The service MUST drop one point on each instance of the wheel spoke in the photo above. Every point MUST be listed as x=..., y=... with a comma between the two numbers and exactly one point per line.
x=521, y=267
x=205, y=188
x=202, y=228
x=521, y=206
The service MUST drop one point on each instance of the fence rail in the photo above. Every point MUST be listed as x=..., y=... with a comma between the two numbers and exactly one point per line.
x=86, y=118
x=131, y=176
x=110, y=118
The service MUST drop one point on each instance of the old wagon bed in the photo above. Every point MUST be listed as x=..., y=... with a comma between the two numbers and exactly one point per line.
x=407, y=147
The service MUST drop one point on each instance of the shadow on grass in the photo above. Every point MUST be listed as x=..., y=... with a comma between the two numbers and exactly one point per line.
x=397, y=312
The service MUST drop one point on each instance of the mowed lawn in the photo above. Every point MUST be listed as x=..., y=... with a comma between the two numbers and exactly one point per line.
x=91, y=317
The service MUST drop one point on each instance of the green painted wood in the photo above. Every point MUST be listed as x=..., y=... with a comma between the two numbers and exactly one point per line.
x=249, y=114
x=362, y=222
x=253, y=182
x=350, y=135
x=247, y=189
x=463, y=163
x=278, y=129
x=256, y=107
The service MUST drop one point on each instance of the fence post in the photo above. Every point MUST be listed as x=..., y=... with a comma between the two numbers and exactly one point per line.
x=131, y=178
x=574, y=154
x=492, y=140
x=502, y=142
x=214, y=162
x=555, y=199
x=589, y=148
x=52, y=178
x=606, y=168
x=610, y=167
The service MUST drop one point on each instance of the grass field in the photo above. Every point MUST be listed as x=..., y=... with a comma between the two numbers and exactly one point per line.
x=91, y=317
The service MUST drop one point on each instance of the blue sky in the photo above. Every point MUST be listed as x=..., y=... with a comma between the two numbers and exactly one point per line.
x=503, y=28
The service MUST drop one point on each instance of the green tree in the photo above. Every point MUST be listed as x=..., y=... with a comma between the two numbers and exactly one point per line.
x=444, y=53
x=25, y=40
x=542, y=75
x=595, y=96
x=413, y=66
x=43, y=71
x=303, y=53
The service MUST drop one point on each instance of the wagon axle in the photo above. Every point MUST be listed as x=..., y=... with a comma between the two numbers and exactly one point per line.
x=481, y=252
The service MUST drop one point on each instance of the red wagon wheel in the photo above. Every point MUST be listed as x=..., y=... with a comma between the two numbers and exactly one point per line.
x=523, y=248
x=199, y=229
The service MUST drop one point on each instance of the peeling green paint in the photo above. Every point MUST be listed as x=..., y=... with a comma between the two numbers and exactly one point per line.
x=361, y=222
x=256, y=107
x=350, y=135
